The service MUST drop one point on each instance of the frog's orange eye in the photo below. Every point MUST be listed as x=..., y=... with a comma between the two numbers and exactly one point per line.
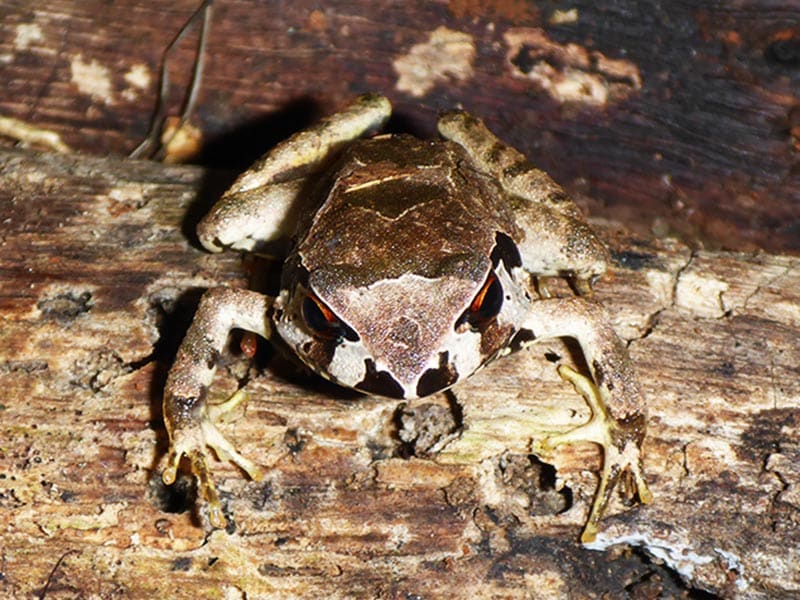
x=489, y=300
x=323, y=322
x=486, y=304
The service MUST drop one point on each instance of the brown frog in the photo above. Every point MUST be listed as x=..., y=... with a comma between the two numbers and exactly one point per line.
x=414, y=263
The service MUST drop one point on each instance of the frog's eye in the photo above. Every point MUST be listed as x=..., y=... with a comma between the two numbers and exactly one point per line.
x=323, y=322
x=486, y=304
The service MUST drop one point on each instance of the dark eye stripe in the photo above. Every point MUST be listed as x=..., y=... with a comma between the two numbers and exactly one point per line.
x=379, y=382
x=505, y=250
x=486, y=304
x=323, y=322
x=435, y=380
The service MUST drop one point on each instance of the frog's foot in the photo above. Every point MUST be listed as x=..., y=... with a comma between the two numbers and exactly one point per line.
x=194, y=441
x=621, y=443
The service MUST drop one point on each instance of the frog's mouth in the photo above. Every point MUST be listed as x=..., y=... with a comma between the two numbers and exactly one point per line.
x=352, y=366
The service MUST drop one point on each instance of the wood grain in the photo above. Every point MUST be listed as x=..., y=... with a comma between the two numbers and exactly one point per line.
x=676, y=120
x=672, y=117
x=100, y=274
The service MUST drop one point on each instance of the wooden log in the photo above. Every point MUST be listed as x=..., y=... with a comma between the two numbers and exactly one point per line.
x=99, y=275
x=675, y=118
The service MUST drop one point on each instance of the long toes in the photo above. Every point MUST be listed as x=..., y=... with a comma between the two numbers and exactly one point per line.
x=226, y=451
x=208, y=489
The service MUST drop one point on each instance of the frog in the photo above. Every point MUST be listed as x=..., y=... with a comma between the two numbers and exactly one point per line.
x=412, y=263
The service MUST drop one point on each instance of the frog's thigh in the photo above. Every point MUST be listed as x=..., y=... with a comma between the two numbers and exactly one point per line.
x=244, y=220
x=262, y=203
x=605, y=354
x=556, y=239
x=306, y=150
x=504, y=163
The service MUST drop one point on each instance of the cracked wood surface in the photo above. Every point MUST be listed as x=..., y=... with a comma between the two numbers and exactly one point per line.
x=100, y=275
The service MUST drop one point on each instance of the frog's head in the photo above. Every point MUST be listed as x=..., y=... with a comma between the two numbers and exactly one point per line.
x=406, y=335
x=400, y=284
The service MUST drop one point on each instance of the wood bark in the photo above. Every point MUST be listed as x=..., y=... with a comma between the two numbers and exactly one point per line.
x=678, y=118
x=100, y=275
x=672, y=119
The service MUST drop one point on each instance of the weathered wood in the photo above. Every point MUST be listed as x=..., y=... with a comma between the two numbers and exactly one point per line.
x=99, y=275
x=670, y=116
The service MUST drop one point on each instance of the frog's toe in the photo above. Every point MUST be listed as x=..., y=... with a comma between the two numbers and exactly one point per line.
x=193, y=447
x=621, y=443
x=208, y=490
x=194, y=443
x=619, y=462
x=226, y=451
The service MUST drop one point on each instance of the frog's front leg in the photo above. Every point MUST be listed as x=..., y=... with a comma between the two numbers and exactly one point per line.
x=188, y=418
x=262, y=204
x=619, y=413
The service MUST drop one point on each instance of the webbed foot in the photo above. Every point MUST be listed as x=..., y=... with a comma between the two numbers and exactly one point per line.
x=193, y=439
x=621, y=444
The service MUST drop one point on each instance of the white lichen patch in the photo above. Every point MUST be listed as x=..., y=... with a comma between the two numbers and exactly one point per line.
x=132, y=195
x=562, y=17
x=26, y=35
x=447, y=55
x=734, y=564
x=92, y=79
x=138, y=76
x=138, y=79
x=675, y=551
x=569, y=73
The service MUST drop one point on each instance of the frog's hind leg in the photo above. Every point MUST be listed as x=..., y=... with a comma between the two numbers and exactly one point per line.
x=556, y=242
x=505, y=163
x=262, y=204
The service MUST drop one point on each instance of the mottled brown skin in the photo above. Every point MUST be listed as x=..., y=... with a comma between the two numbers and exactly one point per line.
x=433, y=226
x=411, y=268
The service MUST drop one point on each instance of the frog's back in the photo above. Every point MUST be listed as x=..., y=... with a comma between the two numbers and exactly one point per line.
x=400, y=205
